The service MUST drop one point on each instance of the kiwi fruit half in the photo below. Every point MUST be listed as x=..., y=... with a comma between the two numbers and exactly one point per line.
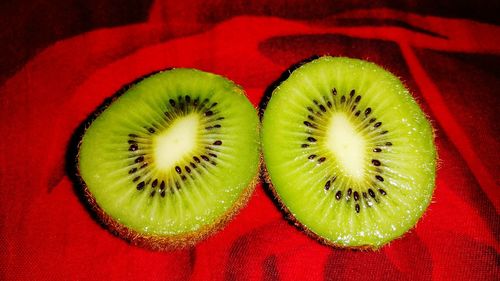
x=348, y=152
x=171, y=160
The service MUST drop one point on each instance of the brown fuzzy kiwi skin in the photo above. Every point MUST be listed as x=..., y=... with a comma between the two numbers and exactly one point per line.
x=171, y=242
x=157, y=242
x=291, y=218
x=286, y=212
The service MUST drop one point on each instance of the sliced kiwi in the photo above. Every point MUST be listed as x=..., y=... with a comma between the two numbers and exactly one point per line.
x=348, y=152
x=172, y=159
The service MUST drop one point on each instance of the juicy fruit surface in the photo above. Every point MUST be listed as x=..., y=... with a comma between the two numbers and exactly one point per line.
x=173, y=154
x=349, y=152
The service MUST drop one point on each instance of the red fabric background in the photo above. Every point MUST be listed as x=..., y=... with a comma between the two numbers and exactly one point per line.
x=451, y=65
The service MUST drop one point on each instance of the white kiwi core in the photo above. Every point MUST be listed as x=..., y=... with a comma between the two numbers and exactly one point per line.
x=178, y=141
x=348, y=146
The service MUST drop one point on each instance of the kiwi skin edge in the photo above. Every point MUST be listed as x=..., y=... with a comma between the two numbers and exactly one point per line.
x=173, y=242
x=289, y=216
x=276, y=198
x=157, y=242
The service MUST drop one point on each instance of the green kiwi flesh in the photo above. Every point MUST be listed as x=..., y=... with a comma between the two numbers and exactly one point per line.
x=172, y=159
x=348, y=152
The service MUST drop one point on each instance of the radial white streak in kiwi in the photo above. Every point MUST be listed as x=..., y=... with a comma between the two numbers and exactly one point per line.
x=176, y=142
x=188, y=199
x=203, y=186
x=347, y=145
x=201, y=200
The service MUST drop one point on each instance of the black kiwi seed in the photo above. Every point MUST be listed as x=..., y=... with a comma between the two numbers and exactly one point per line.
x=136, y=178
x=342, y=99
x=218, y=142
x=312, y=156
x=187, y=169
x=310, y=109
x=327, y=185
x=329, y=104
x=357, y=208
x=154, y=183
x=141, y=185
x=188, y=99
x=131, y=141
x=365, y=195
x=162, y=193
x=204, y=157
x=372, y=194
x=379, y=177
x=357, y=113
x=133, y=170
x=217, y=126
x=196, y=159
x=183, y=177
x=356, y=196
x=151, y=130
x=143, y=165
x=209, y=128
x=209, y=113
x=322, y=159
x=172, y=102
x=139, y=159
x=372, y=120
x=349, y=192
x=384, y=132
x=133, y=147
x=152, y=194
x=376, y=149
x=133, y=135
x=367, y=111
x=162, y=185
x=351, y=94
x=213, y=155
x=338, y=195
x=322, y=107
x=377, y=124
x=388, y=143
x=382, y=191
x=311, y=139
x=178, y=169
x=192, y=165
x=308, y=124
x=375, y=162
x=304, y=145
x=334, y=91
x=358, y=98
x=310, y=117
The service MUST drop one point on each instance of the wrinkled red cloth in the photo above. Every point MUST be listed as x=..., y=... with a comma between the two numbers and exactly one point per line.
x=450, y=64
